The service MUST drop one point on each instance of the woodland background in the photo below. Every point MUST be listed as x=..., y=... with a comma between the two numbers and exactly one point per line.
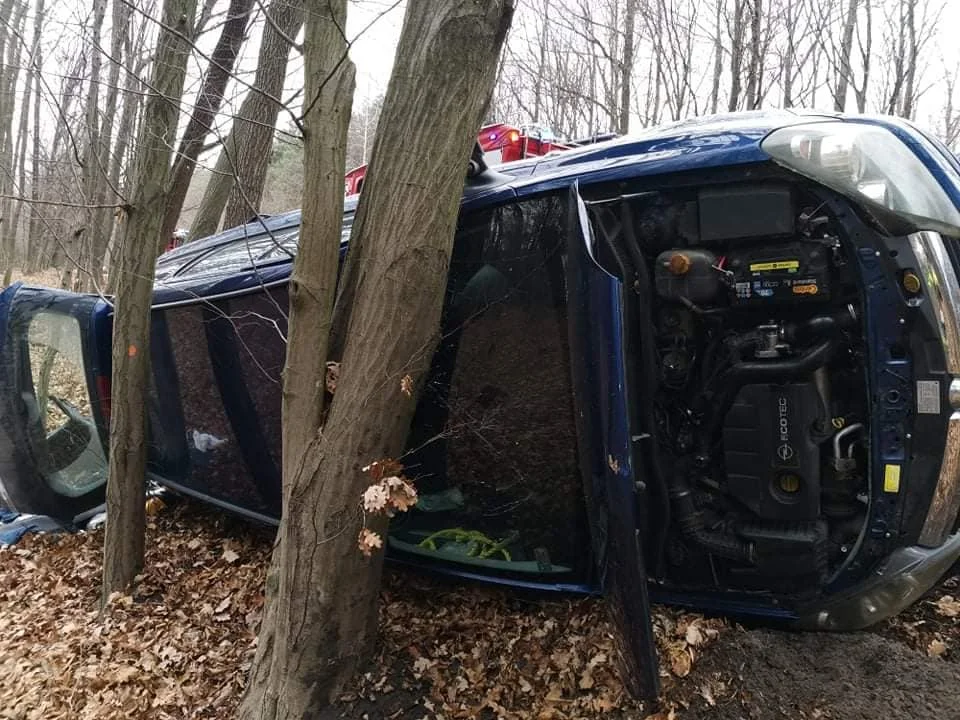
x=73, y=78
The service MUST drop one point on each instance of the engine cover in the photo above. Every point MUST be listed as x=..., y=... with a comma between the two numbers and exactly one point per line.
x=771, y=457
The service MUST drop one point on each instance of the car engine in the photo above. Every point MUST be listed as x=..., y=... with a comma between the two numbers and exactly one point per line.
x=749, y=344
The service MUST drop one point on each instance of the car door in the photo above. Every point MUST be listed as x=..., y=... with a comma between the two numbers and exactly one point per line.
x=604, y=442
x=54, y=382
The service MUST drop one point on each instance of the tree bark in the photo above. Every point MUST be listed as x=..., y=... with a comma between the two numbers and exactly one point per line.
x=626, y=66
x=321, y=612
x=736, y=53
x=207, y=220
x=253, y=128
x=843, y=63
x=10, y=34
x=33, y=231
x=94, y=173
x=756, y=56
x=20, y=163
x=717, y=60
x=124, y=540
x=206, y=107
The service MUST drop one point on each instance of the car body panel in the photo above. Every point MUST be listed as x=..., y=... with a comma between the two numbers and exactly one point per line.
x=195, y=310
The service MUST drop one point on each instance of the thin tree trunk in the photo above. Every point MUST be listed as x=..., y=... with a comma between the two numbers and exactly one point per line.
x=9, y=74
x=909, y=85
x=246, y=149
x=717, y=60
x=321, y=613
x=206, y=107
x=107, y=189
x=752, y=93
x=626, y=68
x=217, y=192
x=94, y=173
x=124, y=541
x=256, y=121
x=736, y=54
x=843, y=64
x=36, y=173
x=20, y=161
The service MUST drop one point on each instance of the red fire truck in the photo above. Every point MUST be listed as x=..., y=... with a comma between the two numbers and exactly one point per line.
x=500, y=142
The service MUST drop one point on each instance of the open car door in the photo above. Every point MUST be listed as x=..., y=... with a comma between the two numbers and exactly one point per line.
x=52, y=422
x=604, y=441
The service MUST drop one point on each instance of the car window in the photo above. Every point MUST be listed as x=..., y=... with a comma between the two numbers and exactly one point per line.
x=63, y=430
x=493, y=442
x=243, y=254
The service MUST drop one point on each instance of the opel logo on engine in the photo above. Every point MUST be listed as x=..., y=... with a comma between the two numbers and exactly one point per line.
x=785, y=451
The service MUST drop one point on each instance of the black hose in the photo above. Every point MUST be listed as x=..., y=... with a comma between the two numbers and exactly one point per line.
x=820, y=325
x=784, y=369
x=692, y=525
x=758, y=371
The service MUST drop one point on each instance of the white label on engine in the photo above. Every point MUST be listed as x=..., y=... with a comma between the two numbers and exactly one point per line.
x=928, y=397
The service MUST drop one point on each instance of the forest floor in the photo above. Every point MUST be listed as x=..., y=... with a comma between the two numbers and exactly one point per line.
x=181, y=645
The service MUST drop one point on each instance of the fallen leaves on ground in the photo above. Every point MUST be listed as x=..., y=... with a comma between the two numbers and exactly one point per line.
x=181, y=644
x=178, y=647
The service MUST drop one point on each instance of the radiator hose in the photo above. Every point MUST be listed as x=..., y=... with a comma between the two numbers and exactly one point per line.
x=693, y=526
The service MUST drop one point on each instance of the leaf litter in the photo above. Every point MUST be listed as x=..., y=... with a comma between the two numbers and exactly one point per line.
x=180, y=645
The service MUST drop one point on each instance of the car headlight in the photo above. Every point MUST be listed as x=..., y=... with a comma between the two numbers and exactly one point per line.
x=863, y=161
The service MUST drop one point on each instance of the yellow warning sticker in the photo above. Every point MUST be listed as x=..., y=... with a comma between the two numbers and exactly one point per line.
x=891, y=478
x=778, y=265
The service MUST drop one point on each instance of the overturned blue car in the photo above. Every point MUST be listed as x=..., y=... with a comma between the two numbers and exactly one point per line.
x=718, y=362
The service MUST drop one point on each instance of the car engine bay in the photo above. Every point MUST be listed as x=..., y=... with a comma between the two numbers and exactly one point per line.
x=748, y=336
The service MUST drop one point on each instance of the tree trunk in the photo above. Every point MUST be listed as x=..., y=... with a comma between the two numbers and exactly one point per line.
x=94, y=173
x=33, y=231
x=717, y=60
x=206, y=107
x=10, y=35
x=20, y=160
x=626, y=67
x=736, y=53
x=254, y=124
x=910, y=75
x=756, y=56
x=215, y=197
x=843, y=63
x=321, y=612
x=124, y=541
x=107, y=189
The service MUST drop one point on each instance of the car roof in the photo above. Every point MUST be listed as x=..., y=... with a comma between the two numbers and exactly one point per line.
x=696, y=143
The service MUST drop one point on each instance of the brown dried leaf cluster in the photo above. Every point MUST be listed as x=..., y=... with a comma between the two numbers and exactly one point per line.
x=178, y=647
x=932, y=625
x=468, y=652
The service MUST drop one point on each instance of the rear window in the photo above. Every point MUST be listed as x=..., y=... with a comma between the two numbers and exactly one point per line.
x=243, y=254
x=63, y=433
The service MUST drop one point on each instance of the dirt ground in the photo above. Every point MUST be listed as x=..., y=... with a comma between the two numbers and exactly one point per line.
x=181, y=644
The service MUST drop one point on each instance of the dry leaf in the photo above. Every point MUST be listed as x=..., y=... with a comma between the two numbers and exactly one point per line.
x=406, y=385
x=368, y=541
x=680, y=662
x=693, y=636
x=230, y=556
x=936, y=648
x=153, y=506
x=947, y=606
x=332, y=376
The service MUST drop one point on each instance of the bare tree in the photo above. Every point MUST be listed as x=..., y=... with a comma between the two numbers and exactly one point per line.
x=320, y=618
x=13, y=14
x=124, y=540
x=209, y=99
x=241, y=167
